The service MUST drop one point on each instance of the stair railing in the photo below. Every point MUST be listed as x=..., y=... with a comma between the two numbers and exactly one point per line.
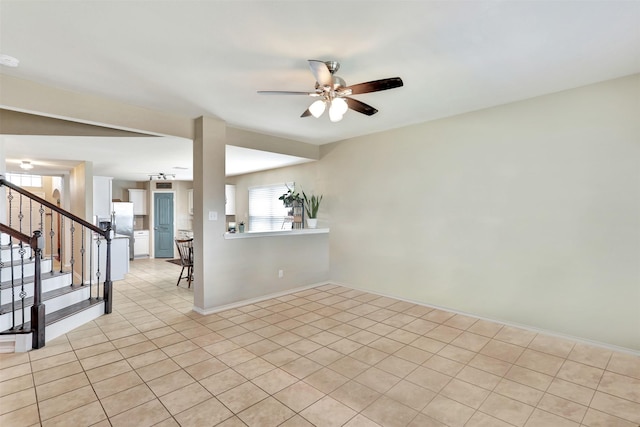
x=37, y=308
x=73, y=243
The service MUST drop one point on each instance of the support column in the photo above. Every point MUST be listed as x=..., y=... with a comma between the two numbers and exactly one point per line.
x=208, y=208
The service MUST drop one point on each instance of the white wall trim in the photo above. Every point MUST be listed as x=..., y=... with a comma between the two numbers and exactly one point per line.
x=220, y=308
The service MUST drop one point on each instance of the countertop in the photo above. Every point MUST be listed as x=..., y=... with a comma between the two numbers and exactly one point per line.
x=116, y=236
x=254, y=234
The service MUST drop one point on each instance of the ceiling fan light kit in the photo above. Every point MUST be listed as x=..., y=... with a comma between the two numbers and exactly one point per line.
x=317, y=108
x=335, y=94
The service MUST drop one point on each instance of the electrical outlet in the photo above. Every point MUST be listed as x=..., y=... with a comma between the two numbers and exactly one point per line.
x=280, y=274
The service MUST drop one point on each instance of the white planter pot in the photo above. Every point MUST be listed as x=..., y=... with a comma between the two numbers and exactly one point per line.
x=312, y=222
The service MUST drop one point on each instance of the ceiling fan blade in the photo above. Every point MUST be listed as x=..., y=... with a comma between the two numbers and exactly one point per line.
x=376, y=85
x=321, y=72
x=285, y=92
x=307, y=113
x=360, y=107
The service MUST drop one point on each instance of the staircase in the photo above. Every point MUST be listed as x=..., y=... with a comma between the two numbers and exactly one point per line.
x=43, y=297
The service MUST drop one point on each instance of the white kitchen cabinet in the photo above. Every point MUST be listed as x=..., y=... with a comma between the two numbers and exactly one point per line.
x=139, y=199
x=141, y=243
x=190, y=198
x=102, y=197
x=230, y=199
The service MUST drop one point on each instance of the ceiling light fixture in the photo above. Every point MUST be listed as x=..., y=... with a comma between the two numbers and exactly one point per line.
x=161, y=176
x=8, y=61
x=337, y=109
x=317, y=108
x=26, y=165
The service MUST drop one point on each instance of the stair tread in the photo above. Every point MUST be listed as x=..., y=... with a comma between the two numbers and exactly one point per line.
x=18, y=261
x=28, y=302
x=68, y=311
x=71, y=310
x=29, y=279
x=14, y=245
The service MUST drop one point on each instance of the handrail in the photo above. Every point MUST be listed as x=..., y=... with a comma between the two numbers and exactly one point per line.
x=38, y=308
x=50, y=205
x=18, y=235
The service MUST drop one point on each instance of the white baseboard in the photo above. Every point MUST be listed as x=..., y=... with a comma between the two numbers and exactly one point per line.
x=232, y=305
x=502, y=322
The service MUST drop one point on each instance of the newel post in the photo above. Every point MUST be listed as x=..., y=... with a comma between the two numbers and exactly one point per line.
x=37, y=309
x=108, y=286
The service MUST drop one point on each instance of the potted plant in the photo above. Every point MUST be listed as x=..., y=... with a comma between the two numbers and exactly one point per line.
x=291, y=197
x=311, y=205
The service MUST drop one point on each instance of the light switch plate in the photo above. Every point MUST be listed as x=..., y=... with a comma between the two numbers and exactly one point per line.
x=213, y=216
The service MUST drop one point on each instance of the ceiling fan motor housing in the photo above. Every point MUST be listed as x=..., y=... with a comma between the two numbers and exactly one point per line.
x=333, y=66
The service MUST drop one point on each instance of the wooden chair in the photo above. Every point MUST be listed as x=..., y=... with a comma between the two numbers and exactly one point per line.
x=185, y=249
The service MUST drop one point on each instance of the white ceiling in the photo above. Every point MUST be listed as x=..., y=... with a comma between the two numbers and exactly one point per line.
x=196, y=58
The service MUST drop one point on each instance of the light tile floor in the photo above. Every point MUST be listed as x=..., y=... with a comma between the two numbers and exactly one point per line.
x=328, y=356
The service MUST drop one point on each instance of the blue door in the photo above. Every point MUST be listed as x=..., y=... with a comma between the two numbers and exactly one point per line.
x=163, y=225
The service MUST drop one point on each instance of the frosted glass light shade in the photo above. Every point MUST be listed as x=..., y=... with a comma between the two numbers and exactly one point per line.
x=317, y=108
x=340, y=105
x=334, y=115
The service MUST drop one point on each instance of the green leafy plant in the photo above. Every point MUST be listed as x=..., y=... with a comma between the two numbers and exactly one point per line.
x=290, y=197
x=312, y=204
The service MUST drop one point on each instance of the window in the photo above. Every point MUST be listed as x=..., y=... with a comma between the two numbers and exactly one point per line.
x=266, y=212
x=23, y=180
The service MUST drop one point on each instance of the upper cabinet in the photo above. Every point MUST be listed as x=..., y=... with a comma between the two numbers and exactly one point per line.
x=139, y=199
x=230, y=199
x=102, y=197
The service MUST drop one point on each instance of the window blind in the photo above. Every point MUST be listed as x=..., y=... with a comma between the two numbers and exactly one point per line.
x=266, y=212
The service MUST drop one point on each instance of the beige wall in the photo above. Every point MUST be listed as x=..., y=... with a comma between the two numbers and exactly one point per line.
x=23, y=95
x=526, y=213
x=81, y=197
x=183, y=220
x=120, y=189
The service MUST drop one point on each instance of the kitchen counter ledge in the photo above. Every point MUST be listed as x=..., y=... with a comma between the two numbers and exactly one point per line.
x=254, y=234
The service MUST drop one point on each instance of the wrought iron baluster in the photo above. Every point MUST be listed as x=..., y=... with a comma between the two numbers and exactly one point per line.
x=51, y=236
x=91, y=266
x=41, y=229
x=22, y=251
x=13, y=290
x=10, y=200
x=72, y=261
x=62, y=237
x=30, y=216
x=82, y=260
x=98, y=242
x=20, y=214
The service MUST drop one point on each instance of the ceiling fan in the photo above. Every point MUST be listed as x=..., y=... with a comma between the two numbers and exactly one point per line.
x=333, y=92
